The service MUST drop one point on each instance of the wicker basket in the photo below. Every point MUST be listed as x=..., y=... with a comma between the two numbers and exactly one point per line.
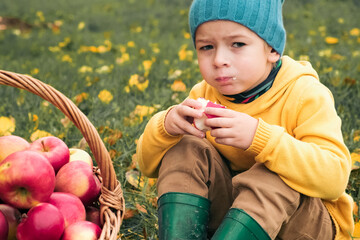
x=112, y=204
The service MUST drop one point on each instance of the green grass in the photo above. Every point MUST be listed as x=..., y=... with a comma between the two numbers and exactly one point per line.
x=156, y=28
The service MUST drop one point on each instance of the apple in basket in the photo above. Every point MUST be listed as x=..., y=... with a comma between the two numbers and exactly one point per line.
x=93, y=215
x=199, y=123
x=77, y=154
x=10, y=144
x=82, y=230
x=4, y=227
x=12, y=216
x=69, y=205
x=77, y=177
x=43, y=222
x=26, y=179
x=54, y=149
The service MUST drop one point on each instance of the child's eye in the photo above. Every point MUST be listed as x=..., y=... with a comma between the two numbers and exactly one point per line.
x=238, y=44
x=207, y=47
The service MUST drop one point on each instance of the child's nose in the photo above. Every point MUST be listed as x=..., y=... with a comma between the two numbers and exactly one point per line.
x=221, y=58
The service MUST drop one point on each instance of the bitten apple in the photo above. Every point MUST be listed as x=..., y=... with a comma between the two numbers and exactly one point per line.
x=54, y=149
x=26, y=179
x=77, y=177
x=43, y=222
x=82, y=230
x=77, y=154
x=12, y=216
x=4, y=227
x=199, y=123
x=10, y=144
x=70, y=206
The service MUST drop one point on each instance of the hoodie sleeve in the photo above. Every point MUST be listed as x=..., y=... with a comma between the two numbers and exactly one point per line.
x=312, y=158
x=156, y=141
x=153, y=144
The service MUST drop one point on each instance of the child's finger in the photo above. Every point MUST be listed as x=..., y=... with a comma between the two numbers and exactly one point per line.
x=198, y=133
x=218, y=122
x=190, y=129
x=222, y=132
x=189, y=112
x=192, y=103
x=221, y=112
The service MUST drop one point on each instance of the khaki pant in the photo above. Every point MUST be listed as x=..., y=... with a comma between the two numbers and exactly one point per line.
x=194, y=166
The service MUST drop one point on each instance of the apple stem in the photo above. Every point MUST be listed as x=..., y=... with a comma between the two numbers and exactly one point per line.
x=44, y=147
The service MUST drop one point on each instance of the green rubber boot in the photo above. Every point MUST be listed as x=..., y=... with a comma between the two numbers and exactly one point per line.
x=237, y=224
x=183, y=216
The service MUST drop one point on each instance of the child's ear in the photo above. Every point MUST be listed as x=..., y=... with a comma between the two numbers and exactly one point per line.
x=273, y=56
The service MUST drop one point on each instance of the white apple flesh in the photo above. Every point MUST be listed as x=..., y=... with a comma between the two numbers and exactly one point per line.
x=199, y=123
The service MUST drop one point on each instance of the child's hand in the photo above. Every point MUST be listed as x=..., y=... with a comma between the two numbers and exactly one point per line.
x=232, y=128
x=179, y=119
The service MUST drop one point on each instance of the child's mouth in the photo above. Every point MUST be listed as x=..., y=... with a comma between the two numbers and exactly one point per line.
x=225, y=80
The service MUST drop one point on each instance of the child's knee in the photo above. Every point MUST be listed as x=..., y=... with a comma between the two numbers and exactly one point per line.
x=265, y=197
x=189, y=150
x=193, y=166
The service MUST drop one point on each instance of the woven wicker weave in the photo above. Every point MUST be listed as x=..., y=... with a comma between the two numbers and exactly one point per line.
x=112, y=204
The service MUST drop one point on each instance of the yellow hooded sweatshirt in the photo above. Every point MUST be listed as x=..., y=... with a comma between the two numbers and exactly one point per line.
x=298, y=136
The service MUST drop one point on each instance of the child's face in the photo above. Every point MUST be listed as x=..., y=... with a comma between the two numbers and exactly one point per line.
x=232, y=58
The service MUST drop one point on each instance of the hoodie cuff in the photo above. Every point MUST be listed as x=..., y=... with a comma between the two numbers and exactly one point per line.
x=161, y=124
x=261, y=138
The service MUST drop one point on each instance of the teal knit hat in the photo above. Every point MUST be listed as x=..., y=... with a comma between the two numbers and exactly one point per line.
x=264, y=17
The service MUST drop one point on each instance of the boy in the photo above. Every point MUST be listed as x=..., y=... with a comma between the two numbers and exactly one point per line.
x=274, y=165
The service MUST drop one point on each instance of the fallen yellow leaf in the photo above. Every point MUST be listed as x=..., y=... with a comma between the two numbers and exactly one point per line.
x=141, y=208
x=178, y=86
x=355, y=158
x=129, y=213
x=356, y=232
x=105, y=96
x=133, y=177
x=39, y=134
x=355, y=32
x=331, y=40
x=7, y=125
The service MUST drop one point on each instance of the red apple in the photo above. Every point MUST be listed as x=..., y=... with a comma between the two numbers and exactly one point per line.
x=54, y=149
x=77, y=154
x=77, y=177
x=12, y=216
x=70, y=206
x=43, y=222
x=199, y=123
x=4, y=227
x=26, y=179
x=93, y=215
x=82, y=230
x=10, y=144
